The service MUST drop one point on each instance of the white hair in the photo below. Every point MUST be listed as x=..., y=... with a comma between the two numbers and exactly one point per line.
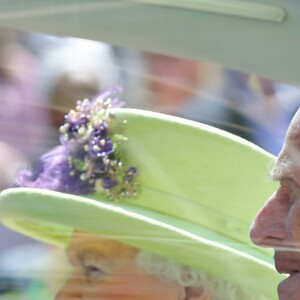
x=171, y=271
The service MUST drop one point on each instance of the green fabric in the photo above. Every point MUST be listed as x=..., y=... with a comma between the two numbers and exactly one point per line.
x=200, y=189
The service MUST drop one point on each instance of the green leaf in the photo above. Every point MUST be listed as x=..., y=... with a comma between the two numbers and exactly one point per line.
x=79, y=164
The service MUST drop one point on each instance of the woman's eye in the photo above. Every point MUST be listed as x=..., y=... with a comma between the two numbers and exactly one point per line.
x=93, y=272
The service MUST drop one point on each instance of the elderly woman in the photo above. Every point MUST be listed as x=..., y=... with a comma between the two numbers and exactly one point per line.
x=147, y=206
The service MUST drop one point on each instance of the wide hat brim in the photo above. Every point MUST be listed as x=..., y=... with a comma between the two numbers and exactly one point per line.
x=200, y=189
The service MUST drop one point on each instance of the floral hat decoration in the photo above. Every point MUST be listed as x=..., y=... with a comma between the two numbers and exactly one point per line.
x=153, y=181
x=94, y=162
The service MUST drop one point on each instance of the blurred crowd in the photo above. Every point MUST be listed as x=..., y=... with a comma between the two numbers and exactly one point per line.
x=41, y=77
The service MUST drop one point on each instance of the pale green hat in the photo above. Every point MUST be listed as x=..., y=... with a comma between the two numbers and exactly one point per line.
x=200, y=188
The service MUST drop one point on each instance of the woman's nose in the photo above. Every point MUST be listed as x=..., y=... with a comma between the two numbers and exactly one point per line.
x=269, y=226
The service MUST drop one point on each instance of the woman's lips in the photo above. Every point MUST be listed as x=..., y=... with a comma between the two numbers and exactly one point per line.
x=289, y=286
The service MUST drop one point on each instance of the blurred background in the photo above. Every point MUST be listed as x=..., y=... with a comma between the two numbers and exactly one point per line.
x=41, y=77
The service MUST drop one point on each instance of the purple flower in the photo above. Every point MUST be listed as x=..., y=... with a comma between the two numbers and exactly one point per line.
x=99, y=147
x=73, y=126
x=87, y=160
x=113, y=95
x=100, y=129
x=108, y=183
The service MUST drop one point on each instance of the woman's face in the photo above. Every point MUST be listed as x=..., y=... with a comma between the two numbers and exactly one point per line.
x=107, y=269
